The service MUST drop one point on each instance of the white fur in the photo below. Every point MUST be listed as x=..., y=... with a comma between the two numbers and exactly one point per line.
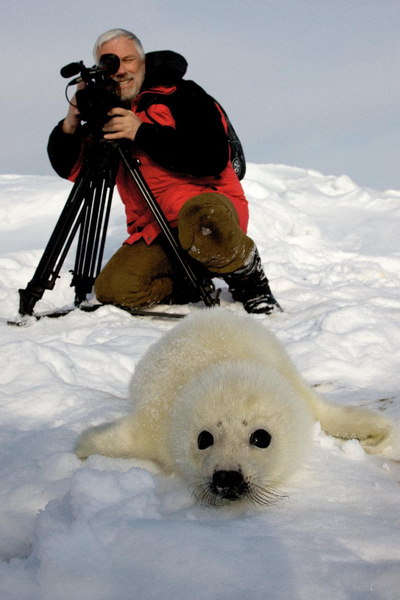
x=226, y=374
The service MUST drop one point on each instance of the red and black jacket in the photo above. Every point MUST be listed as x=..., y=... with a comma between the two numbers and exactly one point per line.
x=182, y=146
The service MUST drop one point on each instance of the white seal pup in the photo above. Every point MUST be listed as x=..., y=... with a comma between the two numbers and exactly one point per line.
x=218, y=401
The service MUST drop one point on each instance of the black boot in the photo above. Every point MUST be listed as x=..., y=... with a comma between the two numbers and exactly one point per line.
x=184, y=293
x=249, y=285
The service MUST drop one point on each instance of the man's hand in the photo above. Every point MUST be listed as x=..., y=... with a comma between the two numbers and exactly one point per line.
x=122, y=124
x=73, y=119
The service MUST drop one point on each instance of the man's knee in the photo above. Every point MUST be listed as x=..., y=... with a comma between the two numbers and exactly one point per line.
x=136, y=275
x=208, y=215
x=113, y=287
x=112, y=282
x=209, y=230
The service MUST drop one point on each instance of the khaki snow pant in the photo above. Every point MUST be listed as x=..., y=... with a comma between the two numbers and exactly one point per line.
x=208, y=229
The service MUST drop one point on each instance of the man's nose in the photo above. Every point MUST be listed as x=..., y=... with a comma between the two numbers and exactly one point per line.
x=121, y=70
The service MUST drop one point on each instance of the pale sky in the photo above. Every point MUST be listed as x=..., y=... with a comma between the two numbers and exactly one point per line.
x=306, y=83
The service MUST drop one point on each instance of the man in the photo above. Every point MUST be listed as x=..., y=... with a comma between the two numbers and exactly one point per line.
x=179, y=135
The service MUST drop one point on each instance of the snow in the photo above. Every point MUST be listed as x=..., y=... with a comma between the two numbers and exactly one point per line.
x=113, y=529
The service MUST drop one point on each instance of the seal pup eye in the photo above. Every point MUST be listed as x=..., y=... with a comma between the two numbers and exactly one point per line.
x=260, y=438
x=205, y=440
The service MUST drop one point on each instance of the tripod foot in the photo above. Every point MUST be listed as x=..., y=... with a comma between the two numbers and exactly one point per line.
x=28, y=298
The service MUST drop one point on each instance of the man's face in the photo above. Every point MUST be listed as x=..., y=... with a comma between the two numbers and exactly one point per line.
x=130, y=74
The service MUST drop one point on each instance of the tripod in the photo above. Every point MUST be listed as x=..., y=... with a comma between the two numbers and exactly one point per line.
x=88, y=209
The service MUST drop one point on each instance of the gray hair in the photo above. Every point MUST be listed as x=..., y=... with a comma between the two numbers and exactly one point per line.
x=113, y=34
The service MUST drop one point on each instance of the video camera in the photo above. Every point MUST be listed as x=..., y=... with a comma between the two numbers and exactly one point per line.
x=99, y=94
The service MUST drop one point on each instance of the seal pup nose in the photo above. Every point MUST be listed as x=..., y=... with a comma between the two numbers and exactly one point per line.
x=227, y=479
x=228, y=484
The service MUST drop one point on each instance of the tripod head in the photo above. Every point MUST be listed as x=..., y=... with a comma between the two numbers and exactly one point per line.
x=99, y=94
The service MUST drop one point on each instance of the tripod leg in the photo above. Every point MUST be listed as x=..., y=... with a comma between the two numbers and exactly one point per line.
x=57, y=247
x=94, y=173
x=98, y=172
x=92, y=240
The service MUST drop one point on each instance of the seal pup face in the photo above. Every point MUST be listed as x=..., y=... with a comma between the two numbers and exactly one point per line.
x=238, y=430
x=234, y=484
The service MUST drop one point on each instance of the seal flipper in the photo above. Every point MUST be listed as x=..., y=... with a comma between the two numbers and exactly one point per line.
x=117, y=439
x=374, y=431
